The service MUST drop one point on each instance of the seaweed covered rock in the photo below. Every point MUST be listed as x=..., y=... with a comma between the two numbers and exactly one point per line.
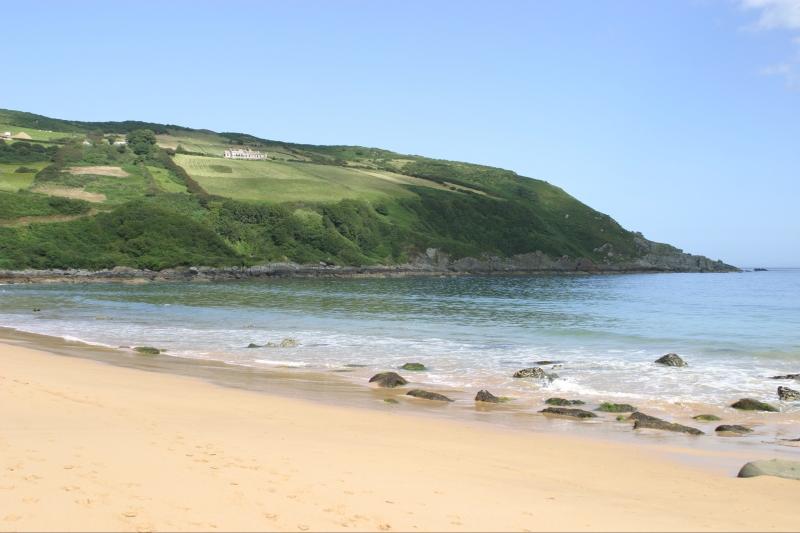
x=749, y=404
x=486, y=396
x=787, y=376
x=707, y=418
x=643, y=421
x=569, y=412
x=388, y=380
x=734, y=429
x=788, y=395
x=416, y=367
x=608, y=407
x=425, y=395
x=533, y=372
x=671, y=359
x=563, y=402
x=147, y=350
x=773, y=467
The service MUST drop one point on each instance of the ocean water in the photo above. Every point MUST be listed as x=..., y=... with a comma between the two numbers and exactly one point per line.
x=735, y=330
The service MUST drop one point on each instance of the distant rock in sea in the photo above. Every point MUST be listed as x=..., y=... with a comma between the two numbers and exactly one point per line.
x=388, y=380
x=788, y=395
x=749, y=404
x=486, y=396
x=425, y=395
x=733, y=429
x=563, y=402
x=671, y=359
x=534, y=372
x=568, y=412
x=643, y=421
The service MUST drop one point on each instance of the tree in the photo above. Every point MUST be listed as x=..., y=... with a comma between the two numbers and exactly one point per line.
x=141, y=141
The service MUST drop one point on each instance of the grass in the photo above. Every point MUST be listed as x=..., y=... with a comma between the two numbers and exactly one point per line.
x=277, y=182
x=37, y=135
x=166, y=181
x=13, y=181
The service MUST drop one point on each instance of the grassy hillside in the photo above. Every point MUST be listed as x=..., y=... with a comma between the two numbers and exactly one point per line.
x=70, y=197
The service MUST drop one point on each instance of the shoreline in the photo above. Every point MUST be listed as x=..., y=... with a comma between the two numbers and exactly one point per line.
x=106, y=447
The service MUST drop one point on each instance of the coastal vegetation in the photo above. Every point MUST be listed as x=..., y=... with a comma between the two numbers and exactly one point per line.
x=155, y=196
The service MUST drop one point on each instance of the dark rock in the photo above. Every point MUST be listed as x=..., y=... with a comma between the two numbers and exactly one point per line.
x=788, y=395
x=251, y=345
x=787, y=376
x=355, y=365
x=36, y=310
x=413, y=366
x=733, y=428
x=486, y=396
x=671, y=359
x=546, y=362
x=388, y=380
x=390, y=400
x=147, y=350
x=749, y=404
x=608, y=407
x=566, y=411
x=773, y=467
x=425, y=395
x=562, y=402
x=759, y=269
x=643, y=421
x=534, y=372
x=707, y=418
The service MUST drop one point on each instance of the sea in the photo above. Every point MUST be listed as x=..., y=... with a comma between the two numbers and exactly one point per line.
x=598, y=334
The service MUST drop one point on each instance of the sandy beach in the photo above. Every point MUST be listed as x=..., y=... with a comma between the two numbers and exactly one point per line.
x=89, y=446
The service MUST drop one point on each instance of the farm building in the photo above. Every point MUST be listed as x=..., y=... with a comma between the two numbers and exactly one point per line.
x=120, y=143
x=241, y=153
x=22, y=136
x=6, y=135
x=87, y=142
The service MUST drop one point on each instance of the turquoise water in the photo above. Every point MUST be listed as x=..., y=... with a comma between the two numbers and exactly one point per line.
x=735, y=330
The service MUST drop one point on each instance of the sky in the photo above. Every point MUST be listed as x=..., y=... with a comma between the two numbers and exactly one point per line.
x=679, y=118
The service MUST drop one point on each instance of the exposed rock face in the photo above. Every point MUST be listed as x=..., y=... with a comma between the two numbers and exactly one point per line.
x=486, y=396
x=787, y=376
x=425, y=395
x=147, y=350
x=413, y=366
x=671, y=359
x=733, y=428
x=772, y=467
x=534, y=372
x=562, y=402
x=643, y=421
x=388, y=380
x=608, y=407
x=566, y=411
x=749, y=404
x=788, y=395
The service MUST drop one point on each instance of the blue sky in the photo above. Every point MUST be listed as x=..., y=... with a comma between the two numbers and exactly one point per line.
x=680, y=119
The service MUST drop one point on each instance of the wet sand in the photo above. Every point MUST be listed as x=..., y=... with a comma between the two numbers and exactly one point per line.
x=92, y=446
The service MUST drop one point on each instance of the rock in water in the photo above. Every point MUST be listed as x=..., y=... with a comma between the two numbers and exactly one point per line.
x=289, y=343
x=608, y=407
x=707, y=418
x=787, y=376
x=788, y=395
x=566, y=411
x=562, y=402
x=486, y=396
x=534, y=372
x=733, y=428
x=425, y=395
x=253, y=345
x=671, y=359
x=643, y=421
x=147, y=350
x=413, y=366
x=749, y=404
x=772, y=467
x=389, y=380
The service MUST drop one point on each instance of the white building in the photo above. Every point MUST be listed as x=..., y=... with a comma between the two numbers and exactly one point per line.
x=241, y=153
x=87, y=142
x=120, y=143
x=6, y=135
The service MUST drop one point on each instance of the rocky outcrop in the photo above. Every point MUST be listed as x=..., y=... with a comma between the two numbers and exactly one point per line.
x=773, y=467
x=425, y=395
x=733, y=429
x=707, y=418
x=388, y=380
x=416, y=367
x=568, y=412
x=671, y=359
x=563, y=402
x=749, y=404
x=787, y=376
x=147, y=350
x=788, y=395
x=486, y=396
x=643, y=421
x=534, y=372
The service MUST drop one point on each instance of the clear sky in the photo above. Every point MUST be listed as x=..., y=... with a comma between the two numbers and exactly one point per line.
x=679, y=118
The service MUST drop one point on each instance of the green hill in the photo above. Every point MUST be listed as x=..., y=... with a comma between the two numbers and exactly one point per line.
x=73, y=195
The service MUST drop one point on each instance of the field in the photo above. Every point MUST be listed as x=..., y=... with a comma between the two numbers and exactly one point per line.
x=276, y=182
x=13, y=181
x=38, y=135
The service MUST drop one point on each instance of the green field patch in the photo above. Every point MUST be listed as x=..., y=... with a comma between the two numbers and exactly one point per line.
x=37, y=135
x=166, y=181
x=12, y=180
x=96, y=188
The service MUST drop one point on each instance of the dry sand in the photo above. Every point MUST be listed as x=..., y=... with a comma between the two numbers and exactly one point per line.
x=89, y=446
